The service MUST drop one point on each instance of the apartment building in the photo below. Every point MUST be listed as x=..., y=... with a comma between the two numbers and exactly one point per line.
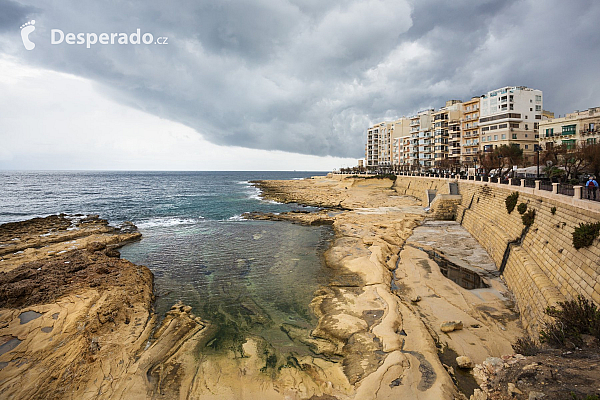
x=445, y=121
x=400, y=133
x=421, y=139
x=372, y=148
x=510, y=116
x=576, y=128
x=469, y=144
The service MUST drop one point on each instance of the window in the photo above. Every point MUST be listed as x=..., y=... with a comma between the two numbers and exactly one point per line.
x=530, y=109
x=495, y=137
x=526, y=146
x=538, y=116
x=489, y=138
x=486, y=128
x=526, y=127
x=513, y=125
x=538, y=97
x=514, y=135
x=526, y=135
x=538, y=108
x=503, y=136
x=592, y=126
x=483, y=139
x=493, y=127
x=502, y=126
x=568, y=129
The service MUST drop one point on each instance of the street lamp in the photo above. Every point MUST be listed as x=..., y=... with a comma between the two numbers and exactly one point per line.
x=537, y=149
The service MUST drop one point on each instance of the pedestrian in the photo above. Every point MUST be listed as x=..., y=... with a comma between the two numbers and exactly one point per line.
x=592, y=187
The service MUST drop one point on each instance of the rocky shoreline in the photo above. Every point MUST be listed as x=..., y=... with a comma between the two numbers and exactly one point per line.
x=76, y=321
x=384, y=312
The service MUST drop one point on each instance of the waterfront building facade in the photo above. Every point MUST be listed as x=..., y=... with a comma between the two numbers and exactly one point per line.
x=576, y=128
x=511, y=116
x=459, y=133
x=445, y=122
x=400, y=134
x=470, y=144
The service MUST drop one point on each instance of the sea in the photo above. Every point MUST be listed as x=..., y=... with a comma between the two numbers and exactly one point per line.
x=245, y=277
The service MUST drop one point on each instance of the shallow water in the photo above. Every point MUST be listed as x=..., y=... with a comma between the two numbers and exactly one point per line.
x=246, y=277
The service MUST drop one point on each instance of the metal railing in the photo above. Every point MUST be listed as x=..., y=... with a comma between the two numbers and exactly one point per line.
x=590, y=194
x=546, y=185
x=529, y=182
x=516, y=182
x=566, y=189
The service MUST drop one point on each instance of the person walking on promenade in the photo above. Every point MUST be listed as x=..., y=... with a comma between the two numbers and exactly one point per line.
x=592, y=187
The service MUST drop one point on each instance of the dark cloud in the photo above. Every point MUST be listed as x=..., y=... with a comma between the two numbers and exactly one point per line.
x=12, y=13
x=309, y=76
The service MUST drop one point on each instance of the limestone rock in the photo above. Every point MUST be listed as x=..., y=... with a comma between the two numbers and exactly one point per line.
x=536, y=395
x=493, y=365
x=415, y=299
x=449, y=326
x=512, y=389
x=478, y=395
x=464, y=362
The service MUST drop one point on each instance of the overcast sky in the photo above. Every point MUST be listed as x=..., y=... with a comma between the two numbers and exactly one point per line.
x=269, y=84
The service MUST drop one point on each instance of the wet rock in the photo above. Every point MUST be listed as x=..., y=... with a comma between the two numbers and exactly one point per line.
x=449, y=326
x=113, y=253
x=464, y=362
x=128, y=227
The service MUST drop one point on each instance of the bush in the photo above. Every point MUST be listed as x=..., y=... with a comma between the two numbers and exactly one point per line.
x=573, y=319
x=526, y=346
x=522, y=208
x=584, y=234
x=511, y=201
x=553, y=210
x=528, y=218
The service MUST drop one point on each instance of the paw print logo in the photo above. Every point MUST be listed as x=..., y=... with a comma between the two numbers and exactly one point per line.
x=26, y=29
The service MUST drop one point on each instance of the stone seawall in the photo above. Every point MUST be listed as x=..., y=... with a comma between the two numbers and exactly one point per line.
x=540, y=264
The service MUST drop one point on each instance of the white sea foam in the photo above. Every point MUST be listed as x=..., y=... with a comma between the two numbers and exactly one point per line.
x=237, y=217
x=167, y=221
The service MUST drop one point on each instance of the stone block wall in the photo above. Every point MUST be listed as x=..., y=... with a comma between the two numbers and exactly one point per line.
x=418, y=187
x=541, y=266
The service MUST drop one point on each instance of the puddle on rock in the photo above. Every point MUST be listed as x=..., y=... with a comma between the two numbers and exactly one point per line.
x=462, y=276
x=8, y=343
x=47, y=329
x=29, y=316
x=464, y=380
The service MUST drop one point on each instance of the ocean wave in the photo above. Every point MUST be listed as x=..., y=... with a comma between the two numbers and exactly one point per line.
x=237, y=217
x=167, y=221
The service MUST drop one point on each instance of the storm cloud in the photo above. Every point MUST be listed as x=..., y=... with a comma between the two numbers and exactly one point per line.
x=309, y=76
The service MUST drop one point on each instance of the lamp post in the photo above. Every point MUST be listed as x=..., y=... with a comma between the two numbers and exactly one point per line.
x=537, y=149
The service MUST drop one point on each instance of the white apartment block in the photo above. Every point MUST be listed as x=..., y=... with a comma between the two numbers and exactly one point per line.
x=511, y=116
